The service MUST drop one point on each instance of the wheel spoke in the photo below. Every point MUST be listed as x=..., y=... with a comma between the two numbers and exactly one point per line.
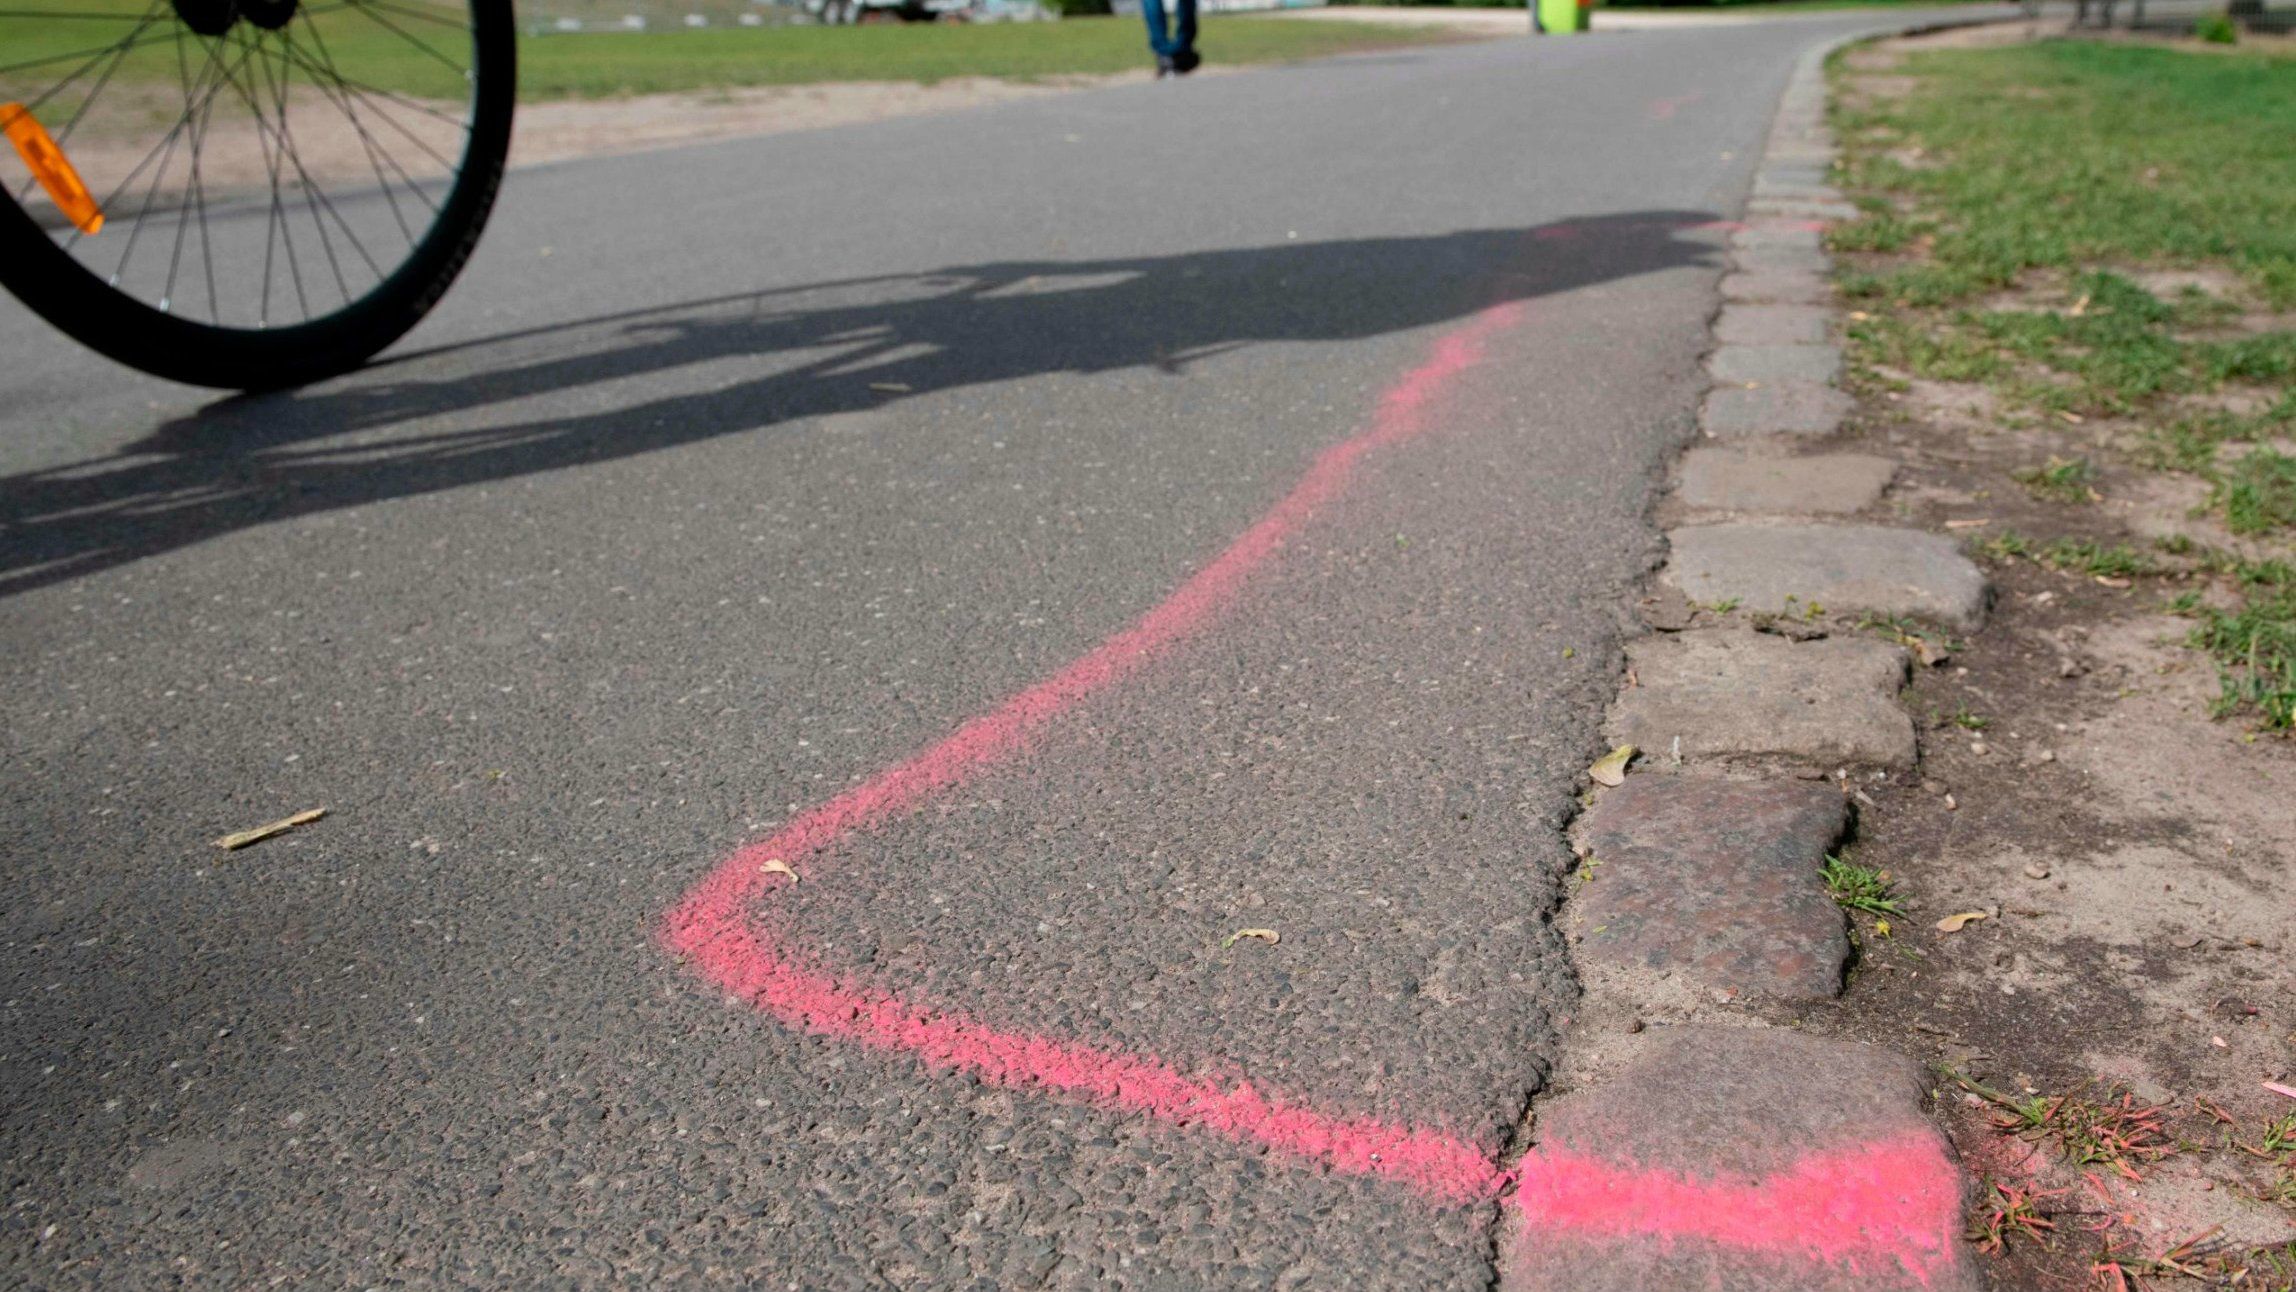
x=418, y=141
x=342, y=99
x=118, y=55
x=130, y=42
x=215, y=151
x=286, y=143
x=174, y=138
x=287, y=41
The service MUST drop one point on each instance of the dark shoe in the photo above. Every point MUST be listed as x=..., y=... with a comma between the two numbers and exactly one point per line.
x=1186, y=61
x=1165, y=66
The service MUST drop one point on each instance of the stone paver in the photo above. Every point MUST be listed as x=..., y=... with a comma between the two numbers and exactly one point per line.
x=1766, y=188
x=1778, y=233
x=1774, y=325
x=1784, y=208
x=1774, y=172
x=1804, y=259
x=1780, y=408
x=1717, y=880
x=1812, y=363
x=1734, y=693
x=1778, y=286
x=1725, y=479
x=1741, y=1160
x=1869, y=568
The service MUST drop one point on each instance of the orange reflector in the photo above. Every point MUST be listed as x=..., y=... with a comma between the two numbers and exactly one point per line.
x=50, y=167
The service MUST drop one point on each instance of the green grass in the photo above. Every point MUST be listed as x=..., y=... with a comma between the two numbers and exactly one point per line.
x=2257, y=493
x=2064, y=154
x=1860, y=888
x=591, y=66
x=599, y=65
x=2066, y=480
x=2191, y=443
x=2058, y=170
x=2101, y=560
x=2255, y=644
x=2072, y=555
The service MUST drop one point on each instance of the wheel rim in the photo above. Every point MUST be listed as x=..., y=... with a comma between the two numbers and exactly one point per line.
x=244, y=165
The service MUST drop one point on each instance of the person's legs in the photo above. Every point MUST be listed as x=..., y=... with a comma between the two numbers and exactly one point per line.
x=1184, y=43
x=1159, y=36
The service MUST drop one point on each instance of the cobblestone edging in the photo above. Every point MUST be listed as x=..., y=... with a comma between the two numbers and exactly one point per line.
x=1702, y=917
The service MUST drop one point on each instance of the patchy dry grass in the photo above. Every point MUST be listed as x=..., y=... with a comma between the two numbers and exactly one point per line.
x=2090, y=233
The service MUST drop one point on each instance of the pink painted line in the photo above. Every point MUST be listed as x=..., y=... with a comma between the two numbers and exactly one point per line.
x=712, y=927
x=1664, y=109
x=1866, y=1207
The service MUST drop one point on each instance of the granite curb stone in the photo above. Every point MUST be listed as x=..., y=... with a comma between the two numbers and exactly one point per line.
x=1802, y=258
x=1726, y=693
x=1870, y=568
x=1718, y=880
x=1753, y=363
x=1730, y=479
x=1774, y=325
x=1778, y=285
x=1781, y=209
x=1780, y=408
x=1762, y=1113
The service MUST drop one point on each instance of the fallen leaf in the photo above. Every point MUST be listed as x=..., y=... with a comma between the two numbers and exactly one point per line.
x=2080, y=306
x=1928, y=652
x=1265, y=935
x=1977, y=523
x=778, y=867
x=1953, y=923
x=2075, y=418
x=891, y=387
x=262, y=832
x=1610, y=769
x=2278, y=1089
x=1881, y=928
x=2112, y=582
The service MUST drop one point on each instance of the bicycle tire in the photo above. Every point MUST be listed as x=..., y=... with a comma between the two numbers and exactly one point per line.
x=43, y=273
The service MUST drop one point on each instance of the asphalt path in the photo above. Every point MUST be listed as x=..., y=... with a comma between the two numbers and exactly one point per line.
x=730, y=478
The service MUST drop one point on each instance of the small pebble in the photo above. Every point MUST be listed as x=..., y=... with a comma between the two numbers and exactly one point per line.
x=1979, y=748
x=2036, y=871
x=1634, y=1025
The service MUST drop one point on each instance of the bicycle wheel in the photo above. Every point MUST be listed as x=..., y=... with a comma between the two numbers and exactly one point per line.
x=247, y=193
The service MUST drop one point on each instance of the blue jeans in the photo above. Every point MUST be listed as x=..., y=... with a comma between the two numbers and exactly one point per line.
x=1162, y=39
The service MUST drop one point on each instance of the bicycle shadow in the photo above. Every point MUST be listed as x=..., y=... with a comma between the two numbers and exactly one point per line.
x=394, y=430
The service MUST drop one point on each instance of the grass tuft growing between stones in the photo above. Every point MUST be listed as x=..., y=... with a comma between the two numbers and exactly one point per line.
x=1860, y=888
